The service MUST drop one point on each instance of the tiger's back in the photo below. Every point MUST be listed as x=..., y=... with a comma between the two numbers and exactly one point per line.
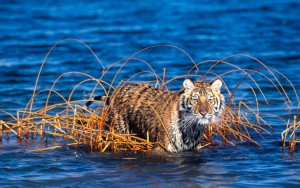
x=141, y=108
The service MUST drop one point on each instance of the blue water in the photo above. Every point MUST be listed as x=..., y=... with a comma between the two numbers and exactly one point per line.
x=206, y=30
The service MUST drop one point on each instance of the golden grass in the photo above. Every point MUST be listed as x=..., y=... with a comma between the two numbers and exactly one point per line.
x=67, y=120
x=38, y=125
x=94, y=132
x=291, y=134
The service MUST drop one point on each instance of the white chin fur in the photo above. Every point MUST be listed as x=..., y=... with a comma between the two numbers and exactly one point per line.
x=203, y=121
x=206, y=120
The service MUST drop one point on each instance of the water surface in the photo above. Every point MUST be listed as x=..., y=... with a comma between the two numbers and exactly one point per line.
x=206, y=30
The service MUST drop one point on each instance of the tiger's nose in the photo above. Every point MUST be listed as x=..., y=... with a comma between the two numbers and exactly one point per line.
x=203, y=112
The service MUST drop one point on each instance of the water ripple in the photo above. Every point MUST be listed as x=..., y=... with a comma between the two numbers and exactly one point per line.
x=116, y=30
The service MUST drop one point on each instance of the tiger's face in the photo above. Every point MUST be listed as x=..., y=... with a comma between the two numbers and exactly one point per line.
x=201, y=101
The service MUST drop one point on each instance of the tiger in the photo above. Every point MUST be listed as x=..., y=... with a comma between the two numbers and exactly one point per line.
x=177, y=120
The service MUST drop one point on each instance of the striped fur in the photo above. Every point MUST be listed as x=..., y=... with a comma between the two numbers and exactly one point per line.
x=177, y=120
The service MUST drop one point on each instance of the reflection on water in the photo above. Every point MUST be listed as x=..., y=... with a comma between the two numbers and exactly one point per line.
x=116, y=30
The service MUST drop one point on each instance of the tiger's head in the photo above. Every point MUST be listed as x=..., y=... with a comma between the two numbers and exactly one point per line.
x=201, y=101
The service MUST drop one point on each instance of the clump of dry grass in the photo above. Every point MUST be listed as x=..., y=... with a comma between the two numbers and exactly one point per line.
x=89, y=132
x=291, y=134
x=87, y=127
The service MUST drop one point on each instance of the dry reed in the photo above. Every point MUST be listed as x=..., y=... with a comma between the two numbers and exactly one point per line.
x=90, y=128
x=291, y=134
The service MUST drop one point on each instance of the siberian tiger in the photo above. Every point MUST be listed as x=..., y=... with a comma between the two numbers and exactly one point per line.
x=176, y=120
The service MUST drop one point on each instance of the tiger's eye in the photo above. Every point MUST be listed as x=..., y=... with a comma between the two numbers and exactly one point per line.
x=195, y=98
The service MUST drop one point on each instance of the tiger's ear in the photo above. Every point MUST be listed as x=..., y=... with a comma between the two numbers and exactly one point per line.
x=188, y=85
x=216, y=85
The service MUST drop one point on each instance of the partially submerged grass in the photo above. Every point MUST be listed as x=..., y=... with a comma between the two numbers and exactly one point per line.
x=79, y=126
x=291, y=135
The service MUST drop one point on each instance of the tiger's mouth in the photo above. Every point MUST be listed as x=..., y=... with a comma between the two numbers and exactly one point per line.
x=203, y=119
